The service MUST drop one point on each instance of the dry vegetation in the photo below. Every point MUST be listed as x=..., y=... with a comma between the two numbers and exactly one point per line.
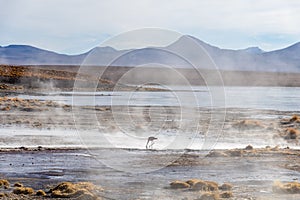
x=15, y=78
x=290, y=129
x=33, y=72
x=249, y=124
x=29, y=105
x=286, y=188
x=81, y=190
x=208, y=189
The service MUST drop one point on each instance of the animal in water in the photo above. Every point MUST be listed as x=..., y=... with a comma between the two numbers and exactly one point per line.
x=150, y=142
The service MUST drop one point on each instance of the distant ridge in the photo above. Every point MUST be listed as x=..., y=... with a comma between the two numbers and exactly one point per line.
x=249, y=59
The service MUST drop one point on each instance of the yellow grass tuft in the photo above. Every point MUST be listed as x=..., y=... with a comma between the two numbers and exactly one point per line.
x=205, y=186
x=209, y=196
x=292, y=133
x=23, y=190
x=4, y=183
x=40, y=193
x=179, y=185
x=249, y=124
x=295, y=118
x=286, y=188
x=81, y=190
x=225, y=195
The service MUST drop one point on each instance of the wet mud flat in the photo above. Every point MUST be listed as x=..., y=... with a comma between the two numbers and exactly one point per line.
x=132, y=172
x=147, y=174
x=32, y=122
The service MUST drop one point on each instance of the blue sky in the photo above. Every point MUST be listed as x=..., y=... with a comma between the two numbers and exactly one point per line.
x=75, y=26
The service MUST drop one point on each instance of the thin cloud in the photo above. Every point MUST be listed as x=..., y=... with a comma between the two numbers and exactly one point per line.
x=66, y=26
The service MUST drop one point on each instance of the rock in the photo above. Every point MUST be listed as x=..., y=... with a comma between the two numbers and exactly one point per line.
x=249, y=147
x=179, y=185
x=67, y=108
x=23, y=190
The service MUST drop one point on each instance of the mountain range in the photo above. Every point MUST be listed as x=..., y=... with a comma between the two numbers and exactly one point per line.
x=249, y=59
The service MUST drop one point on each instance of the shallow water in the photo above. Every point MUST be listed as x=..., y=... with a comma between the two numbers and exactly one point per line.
x=136, y=173
x=273, y=98
x=252, y=177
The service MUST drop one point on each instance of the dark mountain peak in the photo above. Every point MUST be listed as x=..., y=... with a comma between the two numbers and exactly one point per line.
x=28, y=49
x=19, y=46
x=22, y=47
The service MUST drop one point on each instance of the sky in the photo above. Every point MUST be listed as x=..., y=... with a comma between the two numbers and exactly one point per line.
x=76, y=26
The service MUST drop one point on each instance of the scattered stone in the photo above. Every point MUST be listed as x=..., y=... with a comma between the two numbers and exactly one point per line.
x=23, y=148
x=67, y=108
x=249, y=147
x=37, y=124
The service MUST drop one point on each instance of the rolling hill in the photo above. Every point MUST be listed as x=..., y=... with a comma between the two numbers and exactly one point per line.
x=249, y=59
